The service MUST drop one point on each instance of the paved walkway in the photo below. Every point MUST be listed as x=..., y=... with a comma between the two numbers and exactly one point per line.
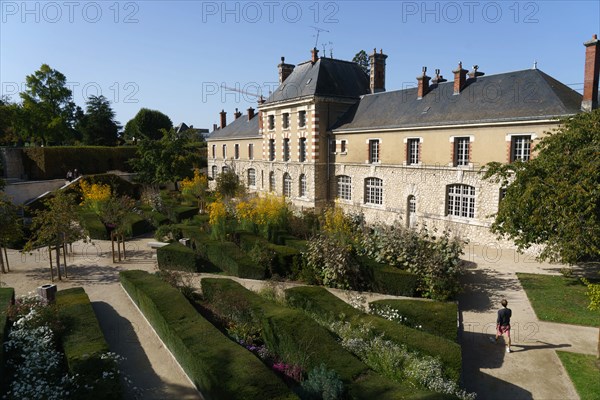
x=532, y=370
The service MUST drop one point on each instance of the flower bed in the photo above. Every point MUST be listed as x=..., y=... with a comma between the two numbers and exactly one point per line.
x=218, y=367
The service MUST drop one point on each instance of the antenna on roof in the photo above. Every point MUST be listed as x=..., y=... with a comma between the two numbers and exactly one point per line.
x=319, y=30
x=534, y=65
x=325, y=49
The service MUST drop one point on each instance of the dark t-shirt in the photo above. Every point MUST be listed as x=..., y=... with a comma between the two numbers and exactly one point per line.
x=504, y=317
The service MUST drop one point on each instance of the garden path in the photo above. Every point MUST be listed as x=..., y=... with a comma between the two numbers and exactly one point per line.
x=532, y=370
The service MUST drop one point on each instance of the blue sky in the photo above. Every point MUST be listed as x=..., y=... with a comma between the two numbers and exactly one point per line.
x=174, y=56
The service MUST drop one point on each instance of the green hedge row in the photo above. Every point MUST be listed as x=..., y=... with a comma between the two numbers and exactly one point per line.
x=42, y=163
x=297, y=338
x=231, y=259
x=287, y=259
x=7, y=296
x=136, y=225
x=180, y=213
x=178, y=257
x=219, y=368
x=83, y=344
x=388, y=280
x=436, y=317
x=320, y=301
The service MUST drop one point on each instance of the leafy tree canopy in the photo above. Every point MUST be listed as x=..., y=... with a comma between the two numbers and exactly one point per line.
x=98, y=126
x=362, y=59
x=147, y=124
x=554, y=199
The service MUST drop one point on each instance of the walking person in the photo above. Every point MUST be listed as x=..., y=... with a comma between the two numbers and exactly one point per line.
x=503, y=324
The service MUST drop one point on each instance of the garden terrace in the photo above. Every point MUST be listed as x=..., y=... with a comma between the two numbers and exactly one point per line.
x=219, y=368
x=299, y=339
x=319, y=301
x=7, y=296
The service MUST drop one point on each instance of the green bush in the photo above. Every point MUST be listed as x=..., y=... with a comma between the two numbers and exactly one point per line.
x=177, y=257
x=284, y=260
x=232, y=260
x=219, y=368
x=385, y=279
x=118, y=185
x=83, y=344
x=7, y=296
x=43, y=163
x=318, y=300
x=93, y=226
x=180, y=213
x=300, y=340
x=436, y=317
x=137, y=225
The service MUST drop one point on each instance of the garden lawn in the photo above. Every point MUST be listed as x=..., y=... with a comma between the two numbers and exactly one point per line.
x=559, y=299
x=584, y=371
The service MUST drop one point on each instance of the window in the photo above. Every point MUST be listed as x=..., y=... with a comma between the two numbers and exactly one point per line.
x=302, y=150
x=332, y=146
x=302, y=119
x=224, y=151
x=343, y=146
x=461, y=201
x=344, y=187
x=461, y=151
x=214, y=172
x=271, y=181
x=251, y=151
x=411, y=217
x=286, y=121
x=412, y=154
x=225, y=169
x=214, y=151
x=374, y=151
x=236, y=151
x=271, y=149
x=286, y=149
x=252, y=177
x=271, y=122
x=302, y=191
x=287, y=185
x=520, y=148
x=373, y=191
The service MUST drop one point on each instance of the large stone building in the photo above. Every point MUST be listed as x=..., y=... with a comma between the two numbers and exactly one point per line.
x=331, y=133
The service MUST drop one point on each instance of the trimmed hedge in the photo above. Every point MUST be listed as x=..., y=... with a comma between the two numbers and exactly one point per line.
x=295, y=336
x=286, y=258
x=219, y=368
x=436, y=317
x=232, y=260
x=180, y=213
x=177, y=257
x=138, y=225
x=388, y=280
x=7, y=296
x=94, y=227
x=320, y=301
x=83, y=344
x=43, y=163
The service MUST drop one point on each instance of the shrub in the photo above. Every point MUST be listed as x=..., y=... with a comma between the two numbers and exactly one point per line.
x=177, y=257
x=334, y=262
x=7, y=296
x=93, y=226
x=231, y=259
x=137, y=225
x=323, y=383
x=382, y=278
x=219, y=368
x=279, y=259
x=85, y=347
x=180, y=213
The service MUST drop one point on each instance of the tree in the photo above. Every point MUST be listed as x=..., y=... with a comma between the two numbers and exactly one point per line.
x=362, y=59
x=554, y=199
x=10, y=228
x=147, y=123
x=48, y=106
x=98, y=126
x=229, y=184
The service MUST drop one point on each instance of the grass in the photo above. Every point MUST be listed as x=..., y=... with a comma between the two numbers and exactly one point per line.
x=584, y=371
x=559, y=299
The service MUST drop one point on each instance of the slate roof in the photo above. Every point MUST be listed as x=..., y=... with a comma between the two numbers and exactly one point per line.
x=327, y=77
x=238, y=128
x=513, y=96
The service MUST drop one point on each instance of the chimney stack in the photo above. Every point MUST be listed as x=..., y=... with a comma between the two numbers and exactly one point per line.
x=592, y=71
x=315, y=55
x=438, y=78
x=284, y=70
x=377, y=77
x=236, y=114
x=474, y=74
x=250, y=113
x=460, y=77
x=214, y=127
x=423, y=82
x=223, y=115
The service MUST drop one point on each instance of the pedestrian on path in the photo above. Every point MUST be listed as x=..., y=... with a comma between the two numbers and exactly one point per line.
x=503, y=324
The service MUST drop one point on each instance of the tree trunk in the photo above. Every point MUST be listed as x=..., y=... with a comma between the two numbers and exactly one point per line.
x=65, y=258
x=58, y=260
x=6, y=258
x=2, y=263
x=50, y=257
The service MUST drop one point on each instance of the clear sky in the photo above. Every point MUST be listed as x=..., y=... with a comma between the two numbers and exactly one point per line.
x=174, y=56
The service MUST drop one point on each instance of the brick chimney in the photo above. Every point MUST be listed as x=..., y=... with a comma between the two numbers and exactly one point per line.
x=284, y=70
x=460, y=77
x=237, y=114
x=377, y=77
x=592, y=70
x=423, y=82
x=474, y=73
x=438, y=78
x=214, y=127
x=223, y=115
x=315, y=55
x=250, y=113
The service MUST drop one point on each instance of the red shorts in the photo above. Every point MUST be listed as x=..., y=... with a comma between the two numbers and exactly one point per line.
x=500, y=330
